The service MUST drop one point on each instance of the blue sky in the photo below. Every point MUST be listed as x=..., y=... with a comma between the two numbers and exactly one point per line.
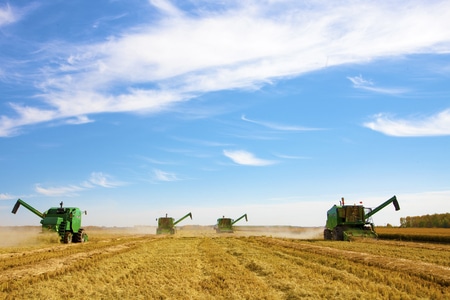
x=134, y=109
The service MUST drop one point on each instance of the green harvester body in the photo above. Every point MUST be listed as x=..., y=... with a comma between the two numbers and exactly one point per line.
x=166, y=225
x=66, y=221
x=346, y=222
x=225, y=225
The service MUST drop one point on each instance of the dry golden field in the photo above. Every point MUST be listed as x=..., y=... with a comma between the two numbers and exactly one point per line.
x=196, y=263
x=414, y=231
x=439, y=235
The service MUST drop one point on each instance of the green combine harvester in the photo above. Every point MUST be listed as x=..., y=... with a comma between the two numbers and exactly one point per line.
x=166, y=225
x=346, y=222
x=225, y=225
x=66, y=221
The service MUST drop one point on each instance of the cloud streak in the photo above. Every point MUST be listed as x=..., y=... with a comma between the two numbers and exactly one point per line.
x=242, y=157
x=70, y=190
x=278, y=126
x=148, y=68
x=7, y=16
x=360, y=83
x=103, y=180
x=97, y=179
x=434, y=125
x=6, y=196
x=160, y=175
x=77, y=120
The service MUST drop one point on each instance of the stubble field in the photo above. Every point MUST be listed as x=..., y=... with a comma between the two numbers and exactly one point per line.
x=196, y=263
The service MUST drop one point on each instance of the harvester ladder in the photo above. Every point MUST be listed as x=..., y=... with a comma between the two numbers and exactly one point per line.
x=62, y=229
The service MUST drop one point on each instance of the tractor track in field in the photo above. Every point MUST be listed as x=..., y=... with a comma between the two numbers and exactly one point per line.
x=50, y=259
x=204, y=265
x=428, y=271
x=53, y=259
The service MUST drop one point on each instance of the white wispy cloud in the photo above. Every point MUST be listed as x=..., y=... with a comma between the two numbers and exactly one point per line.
x=291, y=156
x=6, y=196
x=244, y=45
x=278, y=126
x=166, y=7
x=434, y=125
x=7, y=15
x=160, y=175
x=201, y=142
x=155, y=161
x=96, y=179
x=104, y=20
x=246, y=158
x=77, y=120
x=70, y=190
x=104, y=180
x=360, y=83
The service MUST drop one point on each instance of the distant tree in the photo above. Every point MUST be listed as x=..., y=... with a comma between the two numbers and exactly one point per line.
x=426, y=221
x=445, y=222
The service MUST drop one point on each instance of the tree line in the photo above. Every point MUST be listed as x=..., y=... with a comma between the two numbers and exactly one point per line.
x=427, y=221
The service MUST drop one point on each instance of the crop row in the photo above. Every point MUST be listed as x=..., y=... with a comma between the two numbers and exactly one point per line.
x=433, y=235
x=231, y=267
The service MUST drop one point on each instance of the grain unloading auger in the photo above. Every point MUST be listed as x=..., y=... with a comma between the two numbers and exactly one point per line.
x=225, y=225
x=66, y=221
x=345, y=222
x=166, y=225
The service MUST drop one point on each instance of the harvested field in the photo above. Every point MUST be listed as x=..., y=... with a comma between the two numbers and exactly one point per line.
x=436, y=235
x=197, y=263
x=414, y=231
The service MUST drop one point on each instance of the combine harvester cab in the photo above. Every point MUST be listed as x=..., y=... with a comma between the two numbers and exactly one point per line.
x=66, y=221
x=166, y=225
x=225, y=225
x=346, y=222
